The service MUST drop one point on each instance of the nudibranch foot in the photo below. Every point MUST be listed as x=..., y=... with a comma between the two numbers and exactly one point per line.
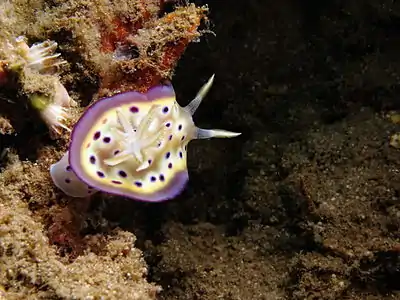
x=65, y=179
x=135, y=144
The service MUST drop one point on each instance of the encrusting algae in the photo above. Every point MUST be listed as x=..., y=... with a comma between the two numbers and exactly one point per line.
x=54, y=60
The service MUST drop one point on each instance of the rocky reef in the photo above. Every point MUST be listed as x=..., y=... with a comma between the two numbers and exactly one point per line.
x=55, y=59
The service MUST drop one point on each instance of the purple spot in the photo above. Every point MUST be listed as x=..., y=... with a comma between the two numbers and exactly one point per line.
x=185, y=148
x=162, y=178
x=165, y=109
x=89, y=192
x=92, y=159
x=116, y=152
x=159, y=145
x=116, y=182
x=168, y=124
x=100, y=174
x=96, y=135
x=180, y=127
x=134, y=109
x=182, y=138
x=90, y=187
x=138, y=183
x=167, y=155
x=153, y=178
x=170, y=166
x=122, y=173
x=149, y=161
x=170, y=137
x=180, y=154
x=68, y=168
x=106, y=139
x=67, y=180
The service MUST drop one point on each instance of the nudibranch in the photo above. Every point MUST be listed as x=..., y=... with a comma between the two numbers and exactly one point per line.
x=134, y=145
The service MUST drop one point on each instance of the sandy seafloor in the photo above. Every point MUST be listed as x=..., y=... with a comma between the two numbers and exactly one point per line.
x=305, y=204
